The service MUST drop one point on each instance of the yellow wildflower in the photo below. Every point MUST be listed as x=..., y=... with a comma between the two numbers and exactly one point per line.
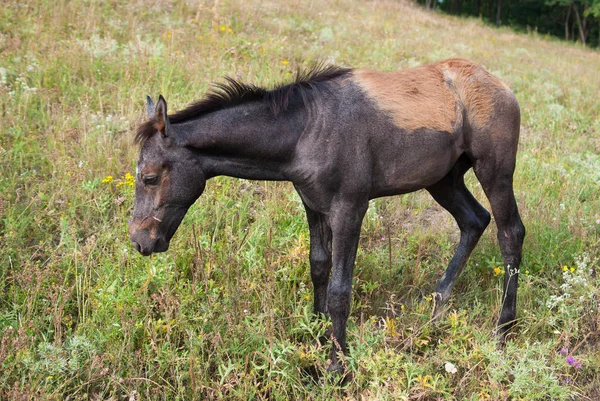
x=423, y=381
x=565, y=268
x=285, y=62
x=572, y=270
x=126, y=179
x=108, y=179
x=497, y=270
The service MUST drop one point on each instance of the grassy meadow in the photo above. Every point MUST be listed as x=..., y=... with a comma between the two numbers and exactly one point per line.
x=226, y=313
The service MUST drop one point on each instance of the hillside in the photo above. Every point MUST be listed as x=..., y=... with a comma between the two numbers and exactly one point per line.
x=226, y=313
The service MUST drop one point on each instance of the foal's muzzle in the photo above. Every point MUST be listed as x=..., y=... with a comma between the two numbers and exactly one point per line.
x=146, y=239
x=148, y=249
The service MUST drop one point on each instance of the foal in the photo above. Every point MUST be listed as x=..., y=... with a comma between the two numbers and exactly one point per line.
x=343, y=137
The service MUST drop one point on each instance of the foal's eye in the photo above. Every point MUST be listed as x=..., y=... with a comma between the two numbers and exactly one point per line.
x=150, y=179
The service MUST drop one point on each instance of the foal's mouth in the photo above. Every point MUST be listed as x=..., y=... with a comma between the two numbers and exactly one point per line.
x=157, y=246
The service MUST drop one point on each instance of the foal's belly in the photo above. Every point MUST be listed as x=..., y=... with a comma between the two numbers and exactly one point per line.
x=407, y=162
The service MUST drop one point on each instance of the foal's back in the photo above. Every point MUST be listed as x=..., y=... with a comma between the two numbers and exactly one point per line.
x=413, y=125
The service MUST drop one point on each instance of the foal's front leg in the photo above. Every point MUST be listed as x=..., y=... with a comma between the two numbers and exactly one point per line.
x=346, y=222
x=320, y=257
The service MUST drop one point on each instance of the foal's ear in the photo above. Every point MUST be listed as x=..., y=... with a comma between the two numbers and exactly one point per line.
x=149, y=107
x=160, y=114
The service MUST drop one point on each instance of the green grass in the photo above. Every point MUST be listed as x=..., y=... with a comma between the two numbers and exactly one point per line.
x=226, y=313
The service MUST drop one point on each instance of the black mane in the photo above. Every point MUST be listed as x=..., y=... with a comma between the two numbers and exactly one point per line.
x=232, y=93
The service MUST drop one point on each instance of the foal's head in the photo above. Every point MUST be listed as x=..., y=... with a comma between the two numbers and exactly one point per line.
x=168, y=182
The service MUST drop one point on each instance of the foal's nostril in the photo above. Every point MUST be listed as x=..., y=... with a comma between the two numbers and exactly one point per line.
x=137, y=246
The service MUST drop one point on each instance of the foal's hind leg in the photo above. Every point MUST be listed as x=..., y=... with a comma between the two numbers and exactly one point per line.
x=493, y=149
x=472, y=219
x=496, y=180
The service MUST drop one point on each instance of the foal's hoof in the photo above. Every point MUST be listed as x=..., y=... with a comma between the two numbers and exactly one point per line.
x=501, y=338
x=438, y=306
x=503, y=333
x=335, y=368
x=337, y=373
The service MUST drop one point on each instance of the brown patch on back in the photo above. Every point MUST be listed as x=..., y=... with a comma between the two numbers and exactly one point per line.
x=415, y=98
x=433, y=96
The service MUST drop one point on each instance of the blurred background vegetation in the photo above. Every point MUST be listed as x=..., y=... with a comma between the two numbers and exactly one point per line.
x=572, y=20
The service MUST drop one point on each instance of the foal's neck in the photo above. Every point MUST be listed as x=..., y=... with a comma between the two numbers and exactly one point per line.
x=246, y=141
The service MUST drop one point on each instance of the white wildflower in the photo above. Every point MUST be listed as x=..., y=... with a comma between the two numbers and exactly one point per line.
x=450, y=368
